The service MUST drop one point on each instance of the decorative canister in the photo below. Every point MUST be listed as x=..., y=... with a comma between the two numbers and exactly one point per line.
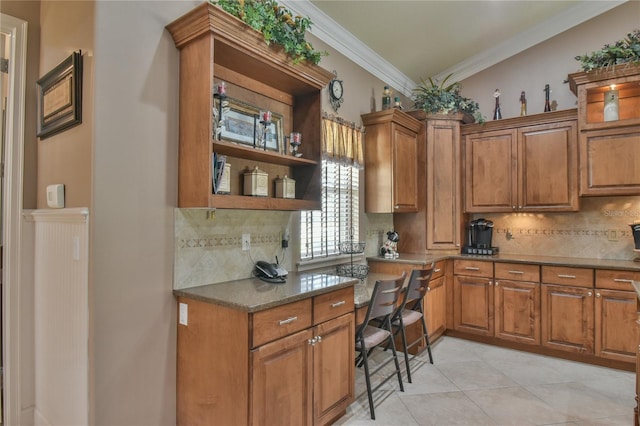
x=285, y=187
x=256, y=183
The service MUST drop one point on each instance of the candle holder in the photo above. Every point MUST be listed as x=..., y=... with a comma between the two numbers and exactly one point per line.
x=265, y=120
x=295, y=140
x=221, y=95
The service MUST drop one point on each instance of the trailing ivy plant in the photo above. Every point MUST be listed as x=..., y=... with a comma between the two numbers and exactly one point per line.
x=277, y=24
x=622, y=51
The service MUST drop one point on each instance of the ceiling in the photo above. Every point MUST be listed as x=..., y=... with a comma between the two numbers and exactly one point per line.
x=402, y=42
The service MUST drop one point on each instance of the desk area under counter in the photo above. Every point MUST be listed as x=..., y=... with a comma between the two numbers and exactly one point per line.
x=281, y=353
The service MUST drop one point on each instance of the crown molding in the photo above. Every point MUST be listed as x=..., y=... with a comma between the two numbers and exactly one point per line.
x=557, y=24
x=331, y=33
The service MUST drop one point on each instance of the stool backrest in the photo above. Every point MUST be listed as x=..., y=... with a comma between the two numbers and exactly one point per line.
x=418, y=285
x=384, y=299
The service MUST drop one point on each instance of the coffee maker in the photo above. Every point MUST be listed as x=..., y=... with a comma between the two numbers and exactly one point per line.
x=479, y=238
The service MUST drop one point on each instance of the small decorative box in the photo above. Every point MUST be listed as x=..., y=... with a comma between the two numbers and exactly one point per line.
x=256, y=183
x=285, y=187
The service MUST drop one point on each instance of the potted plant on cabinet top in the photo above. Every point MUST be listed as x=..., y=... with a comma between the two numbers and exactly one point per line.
x=625, y=51
x=434, y=98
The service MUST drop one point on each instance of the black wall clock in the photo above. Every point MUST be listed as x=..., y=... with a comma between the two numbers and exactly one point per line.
x=336, y=92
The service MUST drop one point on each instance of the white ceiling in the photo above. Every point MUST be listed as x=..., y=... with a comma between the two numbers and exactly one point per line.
x=402, y=42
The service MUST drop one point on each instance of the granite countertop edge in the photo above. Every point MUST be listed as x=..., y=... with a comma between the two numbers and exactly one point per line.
x=252, y=295
x=627, y=265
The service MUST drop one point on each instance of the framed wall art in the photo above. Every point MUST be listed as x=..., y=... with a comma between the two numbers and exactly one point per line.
x=59, y=95
x=241, y=124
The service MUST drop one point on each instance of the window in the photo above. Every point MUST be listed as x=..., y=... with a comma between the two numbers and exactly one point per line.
x=322, y=231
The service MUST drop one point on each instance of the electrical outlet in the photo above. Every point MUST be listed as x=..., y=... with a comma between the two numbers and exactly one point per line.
x=246, y=242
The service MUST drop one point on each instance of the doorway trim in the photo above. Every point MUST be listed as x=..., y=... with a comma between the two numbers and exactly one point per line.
x=15, y=276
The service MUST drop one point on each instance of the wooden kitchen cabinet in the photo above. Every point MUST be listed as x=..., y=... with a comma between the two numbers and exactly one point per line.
x=438, y=223
x=522, y=164
x=391, y=162
x=568, y=309
x=615, y=314
x=609, y=150
x=291, y=364
x=473, y=297
x=215, y=46
x=517, y=302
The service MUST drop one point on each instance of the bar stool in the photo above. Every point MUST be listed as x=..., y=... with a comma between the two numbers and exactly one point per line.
x=411, y=311
x=368, y=336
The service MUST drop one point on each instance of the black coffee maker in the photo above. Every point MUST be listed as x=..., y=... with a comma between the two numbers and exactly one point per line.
x=479, y=237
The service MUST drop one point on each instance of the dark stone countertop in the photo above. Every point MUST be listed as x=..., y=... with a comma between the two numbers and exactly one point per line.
x=252, y=294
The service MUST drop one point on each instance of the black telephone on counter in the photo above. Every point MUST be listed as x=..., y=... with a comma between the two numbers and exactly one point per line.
x=270, y=272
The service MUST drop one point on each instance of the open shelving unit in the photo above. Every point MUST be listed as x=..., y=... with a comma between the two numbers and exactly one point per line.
x=216, y=46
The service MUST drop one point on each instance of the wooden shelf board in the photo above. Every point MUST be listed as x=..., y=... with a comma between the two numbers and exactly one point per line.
x=260, y=203
x=256, y=154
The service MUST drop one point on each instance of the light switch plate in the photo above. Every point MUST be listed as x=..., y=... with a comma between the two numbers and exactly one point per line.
x=55, y=196
x=184, y=314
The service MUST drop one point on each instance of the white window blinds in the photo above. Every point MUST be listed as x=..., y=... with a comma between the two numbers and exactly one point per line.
x=322, y=231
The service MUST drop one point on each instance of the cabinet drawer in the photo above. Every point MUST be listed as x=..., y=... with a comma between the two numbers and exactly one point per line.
x=332, y=305
x=438, y=269
x=271, y=324
x=517, y=271
x=616, y=280
x=475, y=268
x=565, y=275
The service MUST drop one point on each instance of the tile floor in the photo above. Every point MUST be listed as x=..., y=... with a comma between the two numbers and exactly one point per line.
x=476, y=384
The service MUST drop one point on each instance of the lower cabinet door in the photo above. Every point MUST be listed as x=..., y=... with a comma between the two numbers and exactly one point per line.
x=616, y=315
x=517, y=311
x=281, y=389
x=473, y=305
x=567, y=318
x=333, y=367
x=435, y=308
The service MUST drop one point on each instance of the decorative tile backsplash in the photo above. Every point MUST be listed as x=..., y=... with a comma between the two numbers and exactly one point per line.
x=599, y=230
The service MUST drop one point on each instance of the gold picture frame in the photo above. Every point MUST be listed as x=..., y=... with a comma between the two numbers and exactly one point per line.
x=59, y=97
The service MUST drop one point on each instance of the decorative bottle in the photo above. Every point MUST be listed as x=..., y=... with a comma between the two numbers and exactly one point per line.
x=386, y=98
x=547, y=105
x=497, y=114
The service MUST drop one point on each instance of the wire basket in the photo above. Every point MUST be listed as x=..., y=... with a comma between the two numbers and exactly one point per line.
x=355, y=271
x=352, y=247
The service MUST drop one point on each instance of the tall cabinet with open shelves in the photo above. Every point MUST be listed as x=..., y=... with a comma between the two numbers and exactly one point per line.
x=215, y=46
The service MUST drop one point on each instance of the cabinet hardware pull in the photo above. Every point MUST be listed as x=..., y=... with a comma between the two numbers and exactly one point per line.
x=437, y=270
x=597, y=294
x=471, y=268
x=428, y=288
x=396, y=207
x=497, y=283
x=590, y=294
x=318, y=339
x=566, y=276
x=312, y=341
x=621, y=280
x=340, y=303
x=490, y=282
x=288, y=320
x=516, y=272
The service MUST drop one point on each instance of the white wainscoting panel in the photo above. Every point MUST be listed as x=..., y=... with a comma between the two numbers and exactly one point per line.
x=61, y=316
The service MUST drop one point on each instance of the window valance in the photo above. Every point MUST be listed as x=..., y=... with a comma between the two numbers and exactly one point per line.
x=342, y=140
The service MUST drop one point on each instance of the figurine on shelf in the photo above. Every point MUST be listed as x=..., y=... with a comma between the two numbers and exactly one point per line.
x=265, y=120
x=547, y=105
x=497, y=114
x=386, y=98
x=221, y=95
x=523, y=104
x=390, y=247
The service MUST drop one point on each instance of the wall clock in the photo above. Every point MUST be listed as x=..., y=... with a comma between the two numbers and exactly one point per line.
x=336, y=92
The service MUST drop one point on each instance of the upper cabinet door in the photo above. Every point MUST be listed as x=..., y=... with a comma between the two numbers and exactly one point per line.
x=548, y=167
x=391, y=162
x=490, y=164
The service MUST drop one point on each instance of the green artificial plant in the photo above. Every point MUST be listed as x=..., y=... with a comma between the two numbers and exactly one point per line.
x=623, y=51
x=439, y=98
x=277, y=24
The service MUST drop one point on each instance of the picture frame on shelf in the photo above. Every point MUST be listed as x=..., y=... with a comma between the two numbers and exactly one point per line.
x=240, y=124
x=59, y=97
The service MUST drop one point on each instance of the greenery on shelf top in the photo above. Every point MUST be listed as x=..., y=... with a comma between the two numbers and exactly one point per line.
x=277, y=24
x=436, y=98
x=621, y=52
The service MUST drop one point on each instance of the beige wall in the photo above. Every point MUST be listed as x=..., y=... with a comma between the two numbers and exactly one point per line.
x=600, y=229
x=66, y=157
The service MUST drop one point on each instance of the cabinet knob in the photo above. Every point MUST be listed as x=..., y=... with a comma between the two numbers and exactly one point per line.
x=590, y=294
x=318, y=339
x=312, y=341
x=490, y=282
x=597, y=294
x=396, y=207
x=428, y=288
x=497, y=283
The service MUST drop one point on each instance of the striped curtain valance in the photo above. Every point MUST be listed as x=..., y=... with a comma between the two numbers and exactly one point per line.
x=342, y=140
